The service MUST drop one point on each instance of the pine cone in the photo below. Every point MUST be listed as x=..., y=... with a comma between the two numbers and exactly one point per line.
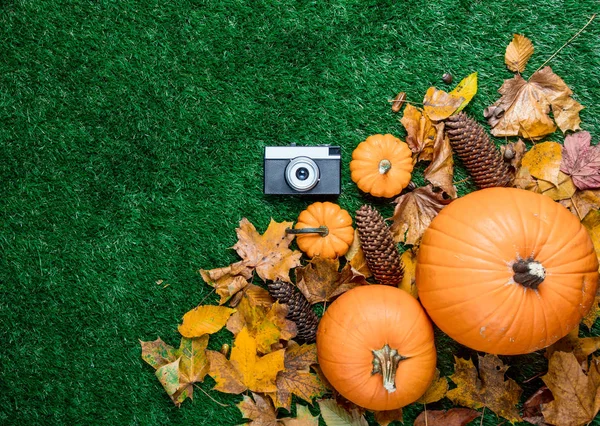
x=379, y=246
x=299, y=309
x=478, y=153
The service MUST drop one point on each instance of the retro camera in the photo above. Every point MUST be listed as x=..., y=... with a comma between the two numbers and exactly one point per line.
x=302, y=170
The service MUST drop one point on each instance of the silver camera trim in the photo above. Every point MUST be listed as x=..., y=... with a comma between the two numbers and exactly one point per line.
x=313, y=174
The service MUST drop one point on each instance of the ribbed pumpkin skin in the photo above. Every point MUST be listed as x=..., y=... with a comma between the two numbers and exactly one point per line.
x=465, y=279
x=339, y=223
x=365, y=319
x=364, y=166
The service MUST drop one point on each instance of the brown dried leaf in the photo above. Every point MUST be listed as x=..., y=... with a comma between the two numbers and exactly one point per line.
x=414, y=212
x=489, y=389
x=320, y=281
x=296, y=378
x=592, y=223
x=452, y=417
x=581, y=160
x=439, y=105
x=436, y=391
x=543, y=161
x=408, y=259
x=524, y=106
x=420, y=133
x=524, y=180
x=581, y=347
x=513, y=153
x=268, y=253
x=259, y=410
x=594, y=313
x=576, y=395
x=229, y=280
x=582, y=202
x=356, y=257
x=441, y=170
x=245, y=369
x=532, y=409
x=384, y=418
x=518, y=53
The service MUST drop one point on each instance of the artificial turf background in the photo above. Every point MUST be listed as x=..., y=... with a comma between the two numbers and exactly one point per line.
x=131, y=144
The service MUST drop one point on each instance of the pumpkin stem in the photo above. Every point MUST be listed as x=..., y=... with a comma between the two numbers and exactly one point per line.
x=529, y=273
x=385, y=362
x=384, y=166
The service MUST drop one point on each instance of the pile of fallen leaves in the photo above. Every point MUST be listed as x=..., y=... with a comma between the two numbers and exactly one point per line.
x=273, y=371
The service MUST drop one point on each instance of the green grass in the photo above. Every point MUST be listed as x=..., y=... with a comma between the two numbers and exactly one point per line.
x=131, y=145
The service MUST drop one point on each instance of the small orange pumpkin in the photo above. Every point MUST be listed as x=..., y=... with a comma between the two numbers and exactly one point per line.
x=506, y=271
x=381, y=165
x=336, y=226
x=375, y=346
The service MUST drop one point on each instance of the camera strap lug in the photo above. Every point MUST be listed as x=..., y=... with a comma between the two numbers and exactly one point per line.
x=322, y=230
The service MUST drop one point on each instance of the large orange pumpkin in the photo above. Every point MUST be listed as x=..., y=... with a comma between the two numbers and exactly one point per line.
x=382, y=165
x=506, y=271
x=375, y=346
x=336, y=224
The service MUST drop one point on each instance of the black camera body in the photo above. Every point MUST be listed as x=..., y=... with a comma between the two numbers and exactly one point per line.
x=302, y=170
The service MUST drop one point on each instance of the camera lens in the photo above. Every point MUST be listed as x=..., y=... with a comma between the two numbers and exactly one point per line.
x=302, y=173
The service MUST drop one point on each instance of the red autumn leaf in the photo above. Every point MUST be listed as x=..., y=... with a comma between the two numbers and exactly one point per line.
x=581, y=160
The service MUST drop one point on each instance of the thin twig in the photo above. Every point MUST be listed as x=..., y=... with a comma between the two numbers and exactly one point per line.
x=566, y=44
x=460, y=181
x=534, y=377
x=407, y=102
x=214, y=400
x=482, y=416
x=205, y=297
x=425, y=406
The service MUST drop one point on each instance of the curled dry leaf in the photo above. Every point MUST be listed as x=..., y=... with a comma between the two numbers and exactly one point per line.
x=513, y=153
x=436, y=391
x=524, y=180
x=414, y=212
x=581, y=160
x=440, y=171
x=259, y=410
x=356, y=257
x=296, y=378
x=543, y=161
x=384, y=418
x=245, y=369
x=178, y=369
x=532, y=408
x=452, y=417
x=333, y=414
x=229, y=280
x=266, y=324
x=487, y=389
x=518, y=53
x=420, y=133
x=320, y=280
x=524, y=107
x=439, y=105
x=205, y=319
x=576, y=394
x=268, y=253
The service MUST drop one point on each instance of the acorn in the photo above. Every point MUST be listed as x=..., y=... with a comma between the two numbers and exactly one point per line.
x=447, y=78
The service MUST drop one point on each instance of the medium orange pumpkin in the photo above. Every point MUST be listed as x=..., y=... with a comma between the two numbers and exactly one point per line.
x=382, y=165
x=506, y=271
x=364, y=329
x=336, y=224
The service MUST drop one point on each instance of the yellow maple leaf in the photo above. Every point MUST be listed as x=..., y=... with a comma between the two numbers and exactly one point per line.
x=268, y=253
x=205, y=319
x=245, y=369
x=466, y=89
x=439, y=105
x=518, y=53
x=436, y=391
